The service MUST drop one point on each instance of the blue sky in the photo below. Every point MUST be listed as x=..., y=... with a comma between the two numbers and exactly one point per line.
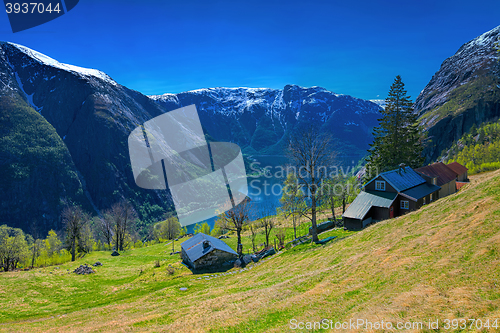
x=354, y=48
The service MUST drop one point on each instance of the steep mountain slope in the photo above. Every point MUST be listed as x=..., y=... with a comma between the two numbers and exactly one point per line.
x=260, y=120
x=438, y=263
x=37, y=174
x=90, y=117
x=85, y=117
x=463, y=92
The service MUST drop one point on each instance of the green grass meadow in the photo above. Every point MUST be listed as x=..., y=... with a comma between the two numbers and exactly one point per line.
x=440, y=262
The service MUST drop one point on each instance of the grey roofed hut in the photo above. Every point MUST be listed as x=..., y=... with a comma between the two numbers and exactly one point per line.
x=204, y=252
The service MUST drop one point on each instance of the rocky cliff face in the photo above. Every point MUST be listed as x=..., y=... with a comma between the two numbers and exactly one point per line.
x=64, y=133
x=463, y=92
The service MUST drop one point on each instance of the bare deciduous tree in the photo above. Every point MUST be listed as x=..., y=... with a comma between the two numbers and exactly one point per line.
x=74, y=219
x=234, y=220
x=36, y=246
x=121, y=217
x=348, y=190
x=267, y=221
x=35, y=243
x=292, y=201
x=86, y=241
x=253, y=234
x=330, y=193
x=312, y=154
x=104, y=229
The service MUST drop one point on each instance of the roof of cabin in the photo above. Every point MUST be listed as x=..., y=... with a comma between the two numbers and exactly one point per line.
x=443, y=173
x=194, y=246
x=458, y=168
x=420, y=191
x=366, y=200
x=401, y=180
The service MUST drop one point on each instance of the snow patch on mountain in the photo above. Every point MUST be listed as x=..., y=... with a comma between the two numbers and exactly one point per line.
x=351, y=123
x=21, y=86
x=236, y=101
x=379, y=102
x=45, y=60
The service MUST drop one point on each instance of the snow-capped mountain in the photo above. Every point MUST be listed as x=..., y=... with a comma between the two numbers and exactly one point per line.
x=260, y=119
x=463, y=92
x=64, y=130
x=45, y=60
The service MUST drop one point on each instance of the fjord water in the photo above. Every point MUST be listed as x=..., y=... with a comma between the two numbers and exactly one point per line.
x=265, y=190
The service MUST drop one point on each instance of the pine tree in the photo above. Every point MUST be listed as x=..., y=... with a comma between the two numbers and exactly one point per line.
x=398, y=137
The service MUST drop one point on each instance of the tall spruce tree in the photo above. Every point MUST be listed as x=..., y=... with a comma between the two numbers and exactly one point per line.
x=398, y=137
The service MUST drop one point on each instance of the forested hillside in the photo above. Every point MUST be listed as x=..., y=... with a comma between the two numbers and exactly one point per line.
x=478, y=150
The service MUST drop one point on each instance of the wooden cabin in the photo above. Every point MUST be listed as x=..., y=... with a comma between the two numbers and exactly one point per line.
x=390, y=194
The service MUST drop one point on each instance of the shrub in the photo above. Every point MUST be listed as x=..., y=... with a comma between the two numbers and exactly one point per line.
x=13, y=247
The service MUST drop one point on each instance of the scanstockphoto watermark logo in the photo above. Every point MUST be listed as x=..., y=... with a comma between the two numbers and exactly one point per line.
x=434, y=324
x=205, y=179
x=24, y=15
x=355, y=324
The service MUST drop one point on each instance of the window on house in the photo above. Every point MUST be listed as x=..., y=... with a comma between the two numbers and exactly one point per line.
x=405, y=204
x=424, y=200
x=432, y=196
x=380, y=185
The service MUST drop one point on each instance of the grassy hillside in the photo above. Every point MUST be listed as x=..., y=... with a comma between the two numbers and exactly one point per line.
x=437, y=263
